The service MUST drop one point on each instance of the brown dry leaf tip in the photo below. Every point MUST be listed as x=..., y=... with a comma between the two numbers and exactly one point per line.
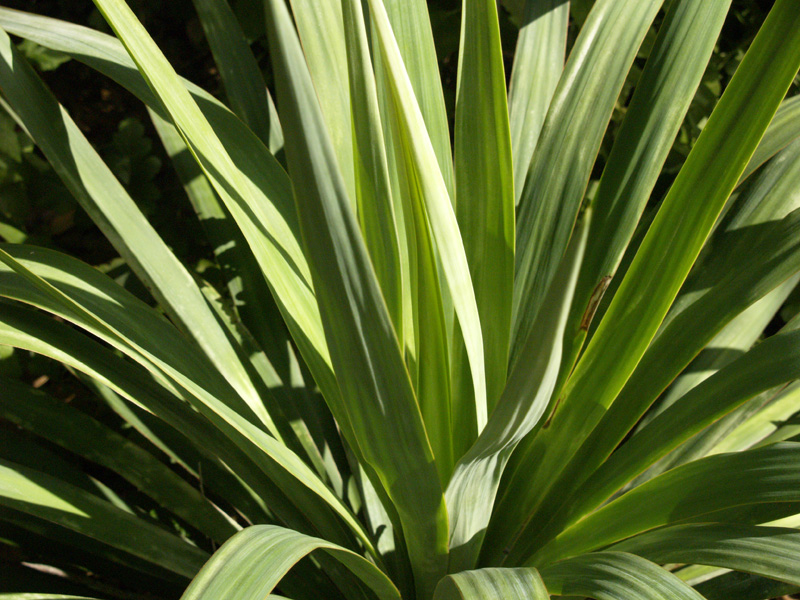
x=594, y=302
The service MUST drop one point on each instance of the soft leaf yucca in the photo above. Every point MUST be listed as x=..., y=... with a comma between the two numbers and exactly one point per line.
x=468, y=370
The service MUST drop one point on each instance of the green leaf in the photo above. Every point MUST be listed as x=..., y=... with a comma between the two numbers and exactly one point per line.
x=568, y=145
x=36, y=332
x=715, y=164
x=259, y=196
x=376, y=389
x=237, y=570
x=523, y=584
x=782, y=131
x=271, y=353
x=538, y=63
x=450, y=420
x=106, y=201
x=271, y=229
x=769, y=364
x=761, y=269
x=321, y=30
x=82, y=435
x=652, y=119
x=411, y=27
x=376, y=210
x=676, y=235
x=760, y=427
x=767, y=551
x=241, y=76
x=744, y=587
x=438, y=210
x=23, y=449
x=753, y=250
x=485, y=183
x=763, y=479
x=615, y=576
x=472, y=489
x=137, y=331
x=47, y=498
x=736, y=338
x=251, y=295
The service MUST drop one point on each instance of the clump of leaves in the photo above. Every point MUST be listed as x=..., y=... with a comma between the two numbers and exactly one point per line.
x=427, y=370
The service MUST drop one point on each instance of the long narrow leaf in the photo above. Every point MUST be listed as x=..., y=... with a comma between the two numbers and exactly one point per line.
x=579, y=112
x=35, y=332
x=769, y=364
x=239, y=71
x=678, y=232
x=677, y=62
x=376, y=208
x=91, y=312
x=82, y=435
x=472, y=489
x=375, y=385
x=767, y=551
x=485, y=183
x=538, y=63
x=763, y=269
x=437, y=207
x=321, y=31
x=106, y=201
x=760, y=479
x=412, y=31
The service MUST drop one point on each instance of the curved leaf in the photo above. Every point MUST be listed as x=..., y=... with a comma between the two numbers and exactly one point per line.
x=473, y=486
x=615, y=576
x=36, y=332
x=521, y=584
x=254, y=561
x=110, y=206
x=767, y=551
x=256, y=189
x=80, y=294
x=771, y=363
x=763, y=479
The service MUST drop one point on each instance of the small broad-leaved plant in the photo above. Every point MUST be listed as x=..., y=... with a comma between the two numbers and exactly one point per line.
x=486, y=368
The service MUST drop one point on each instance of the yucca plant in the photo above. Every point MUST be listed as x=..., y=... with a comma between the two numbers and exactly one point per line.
x=500, y=368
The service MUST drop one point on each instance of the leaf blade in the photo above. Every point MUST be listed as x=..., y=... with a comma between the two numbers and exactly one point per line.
x=485, y=183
